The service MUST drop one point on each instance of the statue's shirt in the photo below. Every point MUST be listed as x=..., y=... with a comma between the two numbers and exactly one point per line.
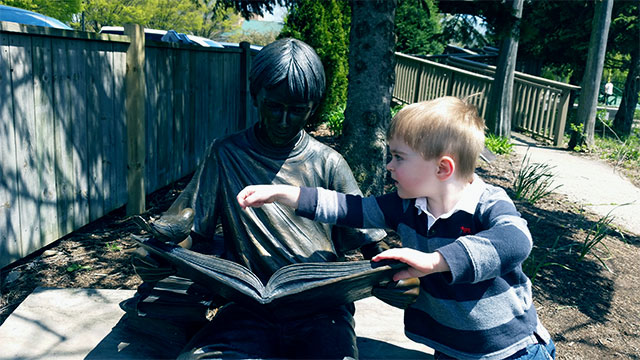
x=267, y=238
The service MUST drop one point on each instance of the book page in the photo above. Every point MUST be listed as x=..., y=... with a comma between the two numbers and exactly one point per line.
x=222, y=276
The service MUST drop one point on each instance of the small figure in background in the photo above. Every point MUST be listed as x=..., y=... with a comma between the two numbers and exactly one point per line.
x=608, y=92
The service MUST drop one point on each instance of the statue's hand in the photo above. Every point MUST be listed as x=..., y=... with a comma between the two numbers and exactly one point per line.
x=370, y=250
x=171, y=228
x=400, y=293
x=150, y=268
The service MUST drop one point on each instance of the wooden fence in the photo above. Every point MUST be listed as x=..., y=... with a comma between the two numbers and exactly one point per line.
x=540, y=106
x=63, y=124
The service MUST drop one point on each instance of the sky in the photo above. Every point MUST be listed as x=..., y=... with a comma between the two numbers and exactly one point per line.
x=278, y=14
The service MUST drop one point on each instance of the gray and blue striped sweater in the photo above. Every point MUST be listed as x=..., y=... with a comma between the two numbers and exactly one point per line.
x=483, y=308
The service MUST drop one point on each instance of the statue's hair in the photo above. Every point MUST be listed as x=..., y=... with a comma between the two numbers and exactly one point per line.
x=443, y=126
x=289, y=60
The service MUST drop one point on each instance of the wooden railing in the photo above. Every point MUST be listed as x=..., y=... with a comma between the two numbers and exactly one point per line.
x=63, y=124
x=540, y=105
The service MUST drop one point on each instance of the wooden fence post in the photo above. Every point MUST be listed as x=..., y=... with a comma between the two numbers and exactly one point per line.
x=561, y=120
x=135, y=113
x=416, y=89
x=245, y=99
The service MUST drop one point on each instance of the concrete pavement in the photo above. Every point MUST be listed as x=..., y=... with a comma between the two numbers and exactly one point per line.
x=72, y=324
x=592, y=183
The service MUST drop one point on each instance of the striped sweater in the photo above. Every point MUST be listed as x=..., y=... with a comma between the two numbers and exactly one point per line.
x=483, y=308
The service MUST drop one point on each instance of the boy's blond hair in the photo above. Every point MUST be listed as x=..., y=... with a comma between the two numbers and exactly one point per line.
x=443, y=126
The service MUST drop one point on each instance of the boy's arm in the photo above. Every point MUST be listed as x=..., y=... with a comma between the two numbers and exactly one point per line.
x=421, y=263
x=328, y=206
x=499, y=249
x=258, y=195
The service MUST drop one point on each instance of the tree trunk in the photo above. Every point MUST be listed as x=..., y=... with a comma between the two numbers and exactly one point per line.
x=501, y=97
x=593, y=73
x=624, y=117
x=371, y=80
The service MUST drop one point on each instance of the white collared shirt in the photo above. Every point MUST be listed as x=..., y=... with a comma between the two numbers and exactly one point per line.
x=468, y=202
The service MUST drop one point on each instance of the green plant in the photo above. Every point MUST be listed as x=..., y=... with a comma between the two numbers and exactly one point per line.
x=533, y=181
x=75, y=266
x=498, y=144
x=625, y=153
x=395, y=109
x=335, y=119
x=579, y=130
x=533, y=264
x=594, y=237
x=113, y=247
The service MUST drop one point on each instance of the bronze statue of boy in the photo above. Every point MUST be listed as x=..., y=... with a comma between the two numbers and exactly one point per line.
x=287, y=83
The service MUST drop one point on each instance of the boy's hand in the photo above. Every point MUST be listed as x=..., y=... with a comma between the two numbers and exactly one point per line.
x=420, y=263
x=258, y=195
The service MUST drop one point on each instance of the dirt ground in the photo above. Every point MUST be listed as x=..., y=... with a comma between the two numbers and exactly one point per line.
x=590, y=311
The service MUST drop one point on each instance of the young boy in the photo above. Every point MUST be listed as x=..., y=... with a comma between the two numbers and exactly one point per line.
x=461, y=236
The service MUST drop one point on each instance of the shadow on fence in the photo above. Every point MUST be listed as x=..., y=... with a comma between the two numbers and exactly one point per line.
x=63, y=124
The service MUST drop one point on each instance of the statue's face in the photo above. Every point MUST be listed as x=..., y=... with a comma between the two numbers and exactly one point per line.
x=281, y=116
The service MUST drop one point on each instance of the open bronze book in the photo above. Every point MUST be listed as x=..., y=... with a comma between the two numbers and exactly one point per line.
x=293, y=290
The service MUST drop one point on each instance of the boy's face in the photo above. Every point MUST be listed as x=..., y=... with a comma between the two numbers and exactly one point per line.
x=413, y=175
x=281, y=116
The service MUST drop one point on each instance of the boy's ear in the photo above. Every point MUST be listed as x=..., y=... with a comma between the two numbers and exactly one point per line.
x=446, y=167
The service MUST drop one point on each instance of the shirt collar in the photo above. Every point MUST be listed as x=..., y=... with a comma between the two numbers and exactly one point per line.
x=467, y=203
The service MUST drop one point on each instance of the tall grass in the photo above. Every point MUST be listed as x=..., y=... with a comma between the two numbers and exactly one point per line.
x=534, y=263
x=533, y=181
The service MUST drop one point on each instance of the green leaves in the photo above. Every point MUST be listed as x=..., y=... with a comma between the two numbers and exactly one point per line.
x=499, y=145
x=418, y=27
x=75, y=266
x=181, y=16
x=324, y=25
x=62, y=10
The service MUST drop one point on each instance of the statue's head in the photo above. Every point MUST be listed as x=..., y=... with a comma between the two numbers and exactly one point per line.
x=287, y=83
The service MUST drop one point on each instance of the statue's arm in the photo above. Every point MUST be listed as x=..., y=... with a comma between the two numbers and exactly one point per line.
x=192, y=210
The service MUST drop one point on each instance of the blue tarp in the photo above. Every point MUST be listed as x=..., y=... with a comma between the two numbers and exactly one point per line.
x=21, y=16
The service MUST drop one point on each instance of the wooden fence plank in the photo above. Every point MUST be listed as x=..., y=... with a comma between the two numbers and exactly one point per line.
x=45, y=148
x=554, y=113
x=63, y=135
x=10, y=233
x=78, y=124
x=120, y=123
x=201, y=98
x=95, y=91
x=112, y=117
x=135, y=115
x=194, y=89
x=216, y=122
x=166, y=60
x=107, y=125
x=151, y=114
x=517, y=103
x=20, y=53
x=181, y=79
